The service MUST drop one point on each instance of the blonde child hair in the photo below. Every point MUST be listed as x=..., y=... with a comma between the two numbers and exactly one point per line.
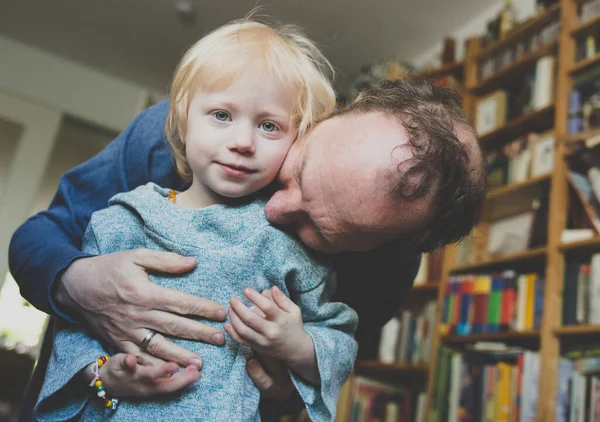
x=217, y=59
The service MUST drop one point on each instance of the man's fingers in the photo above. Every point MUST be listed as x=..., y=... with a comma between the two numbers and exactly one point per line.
x=174, y=301
x=162, y=348
x=164, y=262
x=259, y=376
x=183, y=327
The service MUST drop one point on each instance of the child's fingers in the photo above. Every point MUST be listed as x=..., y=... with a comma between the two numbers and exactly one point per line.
x=257, y=311
x=152, y=373
x=129, y=363
x=267, y=293
x=234, y=335
x=178, y=381
x=268, y=307
x=248, y=317
x=245, y=332
x=282, y=300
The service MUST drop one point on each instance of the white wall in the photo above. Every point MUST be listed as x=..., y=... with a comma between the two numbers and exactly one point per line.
x=68, y=86
x=476, y=26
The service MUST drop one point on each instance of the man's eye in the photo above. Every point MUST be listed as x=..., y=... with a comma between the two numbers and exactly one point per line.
x=268, y=126
x=222, y=116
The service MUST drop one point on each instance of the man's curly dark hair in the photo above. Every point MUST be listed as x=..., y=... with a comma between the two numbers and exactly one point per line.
x=451, y=172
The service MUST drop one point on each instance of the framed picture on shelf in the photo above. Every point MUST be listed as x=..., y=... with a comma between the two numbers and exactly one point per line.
x=510, y=235
x=542, y=151
x=490, y=112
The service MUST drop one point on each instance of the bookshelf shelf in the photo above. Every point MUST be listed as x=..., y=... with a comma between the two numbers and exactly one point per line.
x=586, y=28
x=577, y=331
x=536, y=121
x=426, y=288
x=584, y=64
x=503, y=191
x=420, y=368
x=536, y=254
x=588, y=245
x=524, y=30
x=513, y=338
x=582, y=136
x=451, y=68
x=507, y=74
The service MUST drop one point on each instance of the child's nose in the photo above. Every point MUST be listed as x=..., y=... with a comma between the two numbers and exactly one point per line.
x=243, y=143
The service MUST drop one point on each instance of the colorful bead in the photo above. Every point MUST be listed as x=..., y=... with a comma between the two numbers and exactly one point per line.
x=98, y=383
x=101, y=393
x=101, y=388
x=109, y=403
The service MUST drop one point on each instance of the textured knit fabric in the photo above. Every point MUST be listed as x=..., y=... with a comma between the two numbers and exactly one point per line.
x=236, y=247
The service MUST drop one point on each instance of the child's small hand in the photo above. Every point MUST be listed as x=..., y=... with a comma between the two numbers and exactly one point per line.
x=278, y=332
x=123, y=376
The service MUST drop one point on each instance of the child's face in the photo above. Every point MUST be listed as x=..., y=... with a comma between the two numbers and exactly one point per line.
x=237, y=138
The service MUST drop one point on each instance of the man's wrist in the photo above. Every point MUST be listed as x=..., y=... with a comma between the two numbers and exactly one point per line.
x=60, y=294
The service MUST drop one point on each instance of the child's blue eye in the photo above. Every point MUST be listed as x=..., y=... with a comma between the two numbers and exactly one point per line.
x=222, y=116
x=268, y=126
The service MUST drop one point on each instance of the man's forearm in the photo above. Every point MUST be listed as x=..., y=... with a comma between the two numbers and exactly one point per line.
x=36, y=265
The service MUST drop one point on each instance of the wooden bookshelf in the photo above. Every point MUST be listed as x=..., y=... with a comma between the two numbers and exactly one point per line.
x=447, y=69
x=586, y=28
x=426, y=288
x=512, y=338
x=522, y=31
x=501, y=192
x=536, y=121
x=506, y=74
x=404, y=368
x=582, y=136
x=586, y=246
x=578, y=330
x=585, y=64
x=530, y=255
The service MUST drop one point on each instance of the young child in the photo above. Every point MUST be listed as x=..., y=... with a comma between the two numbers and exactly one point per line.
x=239, y=98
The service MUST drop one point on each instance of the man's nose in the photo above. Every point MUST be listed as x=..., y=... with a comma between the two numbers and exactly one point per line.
x=284, y=208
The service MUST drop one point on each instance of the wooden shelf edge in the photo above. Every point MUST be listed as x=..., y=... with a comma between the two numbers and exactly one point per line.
x=393, y=366
x=532, y=56
x=584, y=64
x=576, y=330
x=582, y=136
x=505, y=190
x=584, y=28
x=429, y=287
x=581, y=244
x=438, y=71
x=518, y=32
x=510, y=336
x=514, y=124
x=506, y=259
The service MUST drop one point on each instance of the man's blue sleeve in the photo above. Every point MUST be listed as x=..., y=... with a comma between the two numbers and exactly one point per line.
x=48, y=242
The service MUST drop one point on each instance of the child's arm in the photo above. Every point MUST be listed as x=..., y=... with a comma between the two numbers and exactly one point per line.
x=277, y=330
x=123, y=376
x=326, y=364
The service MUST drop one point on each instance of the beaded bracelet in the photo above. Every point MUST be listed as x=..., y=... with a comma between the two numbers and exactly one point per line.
x=109, y=402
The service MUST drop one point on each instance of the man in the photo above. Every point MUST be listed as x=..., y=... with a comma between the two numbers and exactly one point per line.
x=397, y=173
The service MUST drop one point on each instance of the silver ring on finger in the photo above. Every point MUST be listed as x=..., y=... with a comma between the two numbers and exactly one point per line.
x=146, y=340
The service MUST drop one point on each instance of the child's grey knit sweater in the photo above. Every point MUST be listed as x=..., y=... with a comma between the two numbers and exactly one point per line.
x=236, y=248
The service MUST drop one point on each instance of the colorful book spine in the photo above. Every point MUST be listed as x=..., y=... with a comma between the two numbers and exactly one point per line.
x=509, y=298
x=495, y=305
x=466, y=303
x=481, y=292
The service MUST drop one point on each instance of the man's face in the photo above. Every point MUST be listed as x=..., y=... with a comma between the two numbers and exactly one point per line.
x=337, y=182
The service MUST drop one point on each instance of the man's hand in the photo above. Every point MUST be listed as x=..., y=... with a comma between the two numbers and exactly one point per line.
x=123, y=376
x=271, y=377
x=113, y=295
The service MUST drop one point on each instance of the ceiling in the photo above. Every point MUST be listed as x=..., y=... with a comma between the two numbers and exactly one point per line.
x=142, y=40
